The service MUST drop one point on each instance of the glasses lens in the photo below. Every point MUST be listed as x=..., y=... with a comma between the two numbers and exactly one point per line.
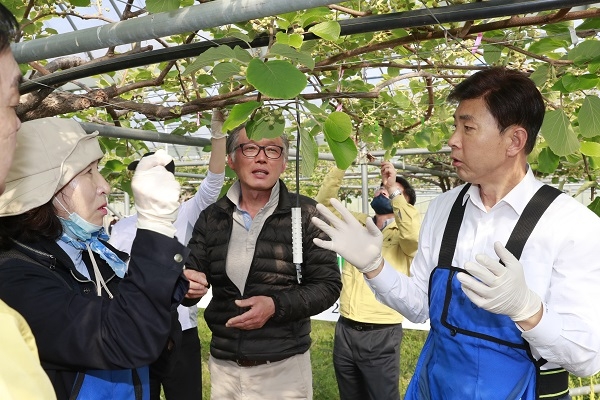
x=250, y=150
x=272, y=151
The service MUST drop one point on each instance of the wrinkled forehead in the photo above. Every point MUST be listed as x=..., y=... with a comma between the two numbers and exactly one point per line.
x=243, y=138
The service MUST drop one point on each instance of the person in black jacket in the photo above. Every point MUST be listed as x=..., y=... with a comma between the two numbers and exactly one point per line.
x=260, y=311
x=97, y=326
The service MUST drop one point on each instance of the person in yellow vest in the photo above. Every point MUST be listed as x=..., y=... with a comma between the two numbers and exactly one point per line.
x=21, y=375
x=366, y=349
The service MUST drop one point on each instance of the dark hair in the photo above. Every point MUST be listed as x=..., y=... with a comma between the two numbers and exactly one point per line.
x=9, y=28
x=511, y=97
x=233, y=138
x=38, y=223
x=408, y=190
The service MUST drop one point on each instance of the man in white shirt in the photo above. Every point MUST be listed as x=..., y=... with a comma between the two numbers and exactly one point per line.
x=494, y=325
x=185, y=380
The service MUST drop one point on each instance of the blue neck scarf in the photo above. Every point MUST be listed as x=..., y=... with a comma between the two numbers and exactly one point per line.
x=117, y=265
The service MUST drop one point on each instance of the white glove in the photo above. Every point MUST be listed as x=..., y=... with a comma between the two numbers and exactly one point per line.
x=500, y=289
x=156, y=194
x=360, y=246
x=216, y=124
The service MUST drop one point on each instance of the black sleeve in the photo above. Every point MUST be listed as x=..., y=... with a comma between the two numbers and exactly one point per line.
x=88, y=332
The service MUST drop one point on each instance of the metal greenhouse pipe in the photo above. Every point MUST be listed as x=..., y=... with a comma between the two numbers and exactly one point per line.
x=407, y=19
x=138, y=134
x=187, y=19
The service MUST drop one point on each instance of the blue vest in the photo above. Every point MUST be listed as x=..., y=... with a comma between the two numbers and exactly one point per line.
x=471, y=353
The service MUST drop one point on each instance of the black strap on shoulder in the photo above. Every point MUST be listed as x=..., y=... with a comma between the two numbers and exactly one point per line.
x=521, y=232
x=529, y=218
x=452, y=227
x=77, y=386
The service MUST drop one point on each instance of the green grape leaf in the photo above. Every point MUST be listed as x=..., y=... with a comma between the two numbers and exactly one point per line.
x=573, y=83
x=585, y=51
x=239, y=114
x=547, y=161
x=344, y=152
x=589, y=117
x=310, y=153
x=260, y=129
x=540, y=75
x=276, y=78
x=289, y=52
x=595, y=206
x=328, y=30
x=80, y=3
x=559, y=134
x=242, y=55
x=225, y=70
x=591, y=149
x=546, y=45
x=158, y=6
x=387, y=138
x=338, y=126
x=492, y=53
x=209, y=57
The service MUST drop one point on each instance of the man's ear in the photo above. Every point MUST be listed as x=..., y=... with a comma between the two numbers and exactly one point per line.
x=230, y=162
x=518, y=140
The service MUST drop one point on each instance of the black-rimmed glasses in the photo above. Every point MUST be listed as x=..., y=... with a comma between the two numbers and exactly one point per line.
x=251, y=150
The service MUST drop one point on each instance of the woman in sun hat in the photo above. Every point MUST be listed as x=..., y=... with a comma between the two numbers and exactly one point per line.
x=98, y=323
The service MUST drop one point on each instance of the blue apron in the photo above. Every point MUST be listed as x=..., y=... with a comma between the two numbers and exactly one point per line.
x=125, y=384
x=471, y=353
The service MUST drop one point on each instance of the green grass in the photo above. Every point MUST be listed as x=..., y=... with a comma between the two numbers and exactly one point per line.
x=324, y=384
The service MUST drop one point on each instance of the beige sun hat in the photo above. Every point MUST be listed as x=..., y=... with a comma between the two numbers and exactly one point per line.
x=49, y=153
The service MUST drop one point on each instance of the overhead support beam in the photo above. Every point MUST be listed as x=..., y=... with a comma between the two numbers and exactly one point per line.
x=373, y=23
x=154, y=26
x=398, y=165
x=148, y=136
x=158, y=137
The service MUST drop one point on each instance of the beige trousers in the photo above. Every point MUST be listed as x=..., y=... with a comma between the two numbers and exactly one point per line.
x=287, y=379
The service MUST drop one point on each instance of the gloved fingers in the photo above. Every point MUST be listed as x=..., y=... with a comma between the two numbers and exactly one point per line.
x=344, y=212
x=506, y=256
x=216, y=124
x=330, y=217
x=324, y=226
x=159, y=158
x=474, y=297
x=491, y=265
x=372, y=228
x=474, y=289
x=324, y=244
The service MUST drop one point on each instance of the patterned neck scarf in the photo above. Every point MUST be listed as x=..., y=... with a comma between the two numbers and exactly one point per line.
x=117, y=265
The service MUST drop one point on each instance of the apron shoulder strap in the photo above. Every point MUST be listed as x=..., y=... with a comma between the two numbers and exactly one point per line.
x=452, y=227
x=529, y=218
x=525, y=225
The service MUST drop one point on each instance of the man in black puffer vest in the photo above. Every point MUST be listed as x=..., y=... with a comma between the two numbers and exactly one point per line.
x=260, y=311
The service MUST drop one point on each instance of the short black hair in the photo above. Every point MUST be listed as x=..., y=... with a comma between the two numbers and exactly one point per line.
x=408, y=190
x=510, y=96
x=9, y=28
